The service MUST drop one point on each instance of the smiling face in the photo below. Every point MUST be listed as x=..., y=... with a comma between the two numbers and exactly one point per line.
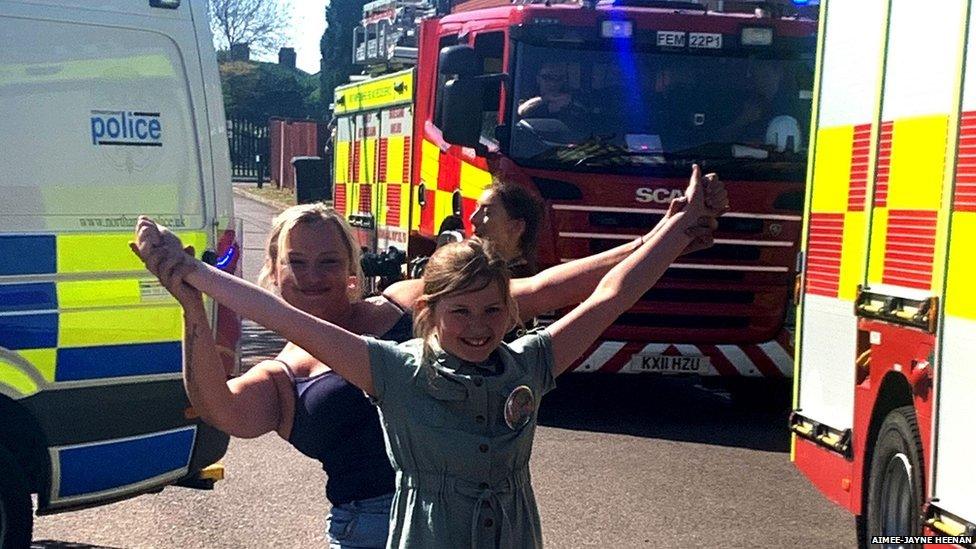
x=313, y=271
x=471, y=325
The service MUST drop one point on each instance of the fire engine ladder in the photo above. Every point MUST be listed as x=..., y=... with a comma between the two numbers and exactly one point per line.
x=388, y=34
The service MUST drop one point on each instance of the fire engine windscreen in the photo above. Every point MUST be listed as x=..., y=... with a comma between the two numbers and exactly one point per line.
x=652, y=112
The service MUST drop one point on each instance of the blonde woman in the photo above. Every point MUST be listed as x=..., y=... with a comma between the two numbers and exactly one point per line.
x=457, y=405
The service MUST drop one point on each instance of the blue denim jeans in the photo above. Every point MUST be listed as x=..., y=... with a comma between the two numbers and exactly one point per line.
x=362, y=524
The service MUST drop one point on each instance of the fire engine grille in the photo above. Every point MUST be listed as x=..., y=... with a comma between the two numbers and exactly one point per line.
x=675, y=295
x=643, y=221
x=648, y=320
x=737, y=291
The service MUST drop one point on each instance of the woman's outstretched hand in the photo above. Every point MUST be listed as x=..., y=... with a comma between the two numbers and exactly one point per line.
x=716, y=202
x=165, y=257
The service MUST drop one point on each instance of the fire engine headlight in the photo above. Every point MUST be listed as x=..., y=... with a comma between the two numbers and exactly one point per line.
x=617, y=29
x=757, y=36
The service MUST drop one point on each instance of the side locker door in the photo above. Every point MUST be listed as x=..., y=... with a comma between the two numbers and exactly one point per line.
x=342, y=164
x=908, y=221
x=954, y=477
x=834, y=247
x=396, y=127
x=920, y=80
x=370, y=177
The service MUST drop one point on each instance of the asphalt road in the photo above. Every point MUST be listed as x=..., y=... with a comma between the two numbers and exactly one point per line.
x=618, y=462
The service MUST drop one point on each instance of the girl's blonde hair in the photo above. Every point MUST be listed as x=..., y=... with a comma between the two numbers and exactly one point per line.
x=309, y=213
x=460, y=268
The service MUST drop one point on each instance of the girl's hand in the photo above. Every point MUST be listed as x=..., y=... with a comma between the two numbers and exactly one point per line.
x=716, y=197
x=164, y=256
x=716, y=203
x=172, y=274
x=702, y=235
x=692, y=204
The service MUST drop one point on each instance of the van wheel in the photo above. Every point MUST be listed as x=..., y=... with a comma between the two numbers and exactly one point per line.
x=16, y=509
x=895, y=490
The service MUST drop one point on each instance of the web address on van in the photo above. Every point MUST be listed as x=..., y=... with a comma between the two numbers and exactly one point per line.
x=125, y=221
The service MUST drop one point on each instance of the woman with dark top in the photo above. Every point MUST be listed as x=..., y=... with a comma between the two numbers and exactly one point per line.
x=312, y=263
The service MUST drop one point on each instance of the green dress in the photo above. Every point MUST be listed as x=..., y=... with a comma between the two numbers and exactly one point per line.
x=462, y=473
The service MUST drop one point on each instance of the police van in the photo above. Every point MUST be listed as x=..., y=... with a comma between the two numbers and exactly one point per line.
x=108, y=110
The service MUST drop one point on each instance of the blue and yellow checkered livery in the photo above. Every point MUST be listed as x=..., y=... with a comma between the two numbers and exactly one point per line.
x=85, y=333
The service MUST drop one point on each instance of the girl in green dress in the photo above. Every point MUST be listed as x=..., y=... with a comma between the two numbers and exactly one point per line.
x=458, y=406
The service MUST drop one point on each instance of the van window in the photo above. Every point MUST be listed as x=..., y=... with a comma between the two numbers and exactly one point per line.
x=97, y=128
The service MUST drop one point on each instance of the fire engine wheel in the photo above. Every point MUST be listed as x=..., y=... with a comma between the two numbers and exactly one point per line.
x=895, y=490
x=16, y=509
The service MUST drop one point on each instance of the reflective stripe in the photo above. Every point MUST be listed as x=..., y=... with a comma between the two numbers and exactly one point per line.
x=43, y=361
x=119, y=325
x=79, y=253
x=19, y=381
x=27, y=297
x=150, y=66
x=29, y=331
x=473, y=181
x=27, y=254
x=91, y=468
x=81, y=363
x=960, y=298
x=102, y=293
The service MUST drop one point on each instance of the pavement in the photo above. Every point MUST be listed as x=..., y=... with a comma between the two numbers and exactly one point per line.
x=245, y=190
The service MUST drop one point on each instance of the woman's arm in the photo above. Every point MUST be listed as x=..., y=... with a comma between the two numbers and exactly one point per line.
x=625, y=283
x=247, y=406
x=343, y=351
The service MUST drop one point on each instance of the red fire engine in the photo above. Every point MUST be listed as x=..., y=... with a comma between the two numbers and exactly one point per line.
x=656, y=86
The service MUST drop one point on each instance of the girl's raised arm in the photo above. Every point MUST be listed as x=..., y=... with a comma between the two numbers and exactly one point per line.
x=626, y=282
x=569, y=283
x=343, y=351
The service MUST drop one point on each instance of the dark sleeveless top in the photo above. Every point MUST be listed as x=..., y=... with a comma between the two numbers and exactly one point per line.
x=336, y=424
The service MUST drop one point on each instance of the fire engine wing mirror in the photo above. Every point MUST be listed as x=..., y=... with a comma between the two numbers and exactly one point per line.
x=461, y=124
x=460, y=60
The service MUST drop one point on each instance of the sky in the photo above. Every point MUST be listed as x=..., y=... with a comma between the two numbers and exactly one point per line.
x=308, y=24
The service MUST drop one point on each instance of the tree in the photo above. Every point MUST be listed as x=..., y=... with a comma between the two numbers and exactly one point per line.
x=261, y=24
x=258, y=91
x=341, y=17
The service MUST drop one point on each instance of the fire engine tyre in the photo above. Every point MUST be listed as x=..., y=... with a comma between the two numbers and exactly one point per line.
x=895, y=489
x=16, y=509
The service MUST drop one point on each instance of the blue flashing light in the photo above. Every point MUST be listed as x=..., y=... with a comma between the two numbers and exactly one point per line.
x=617, y=29
x=225, y=260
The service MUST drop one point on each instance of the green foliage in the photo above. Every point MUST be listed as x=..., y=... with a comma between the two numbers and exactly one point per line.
x=258, y=91
x=341, y=17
